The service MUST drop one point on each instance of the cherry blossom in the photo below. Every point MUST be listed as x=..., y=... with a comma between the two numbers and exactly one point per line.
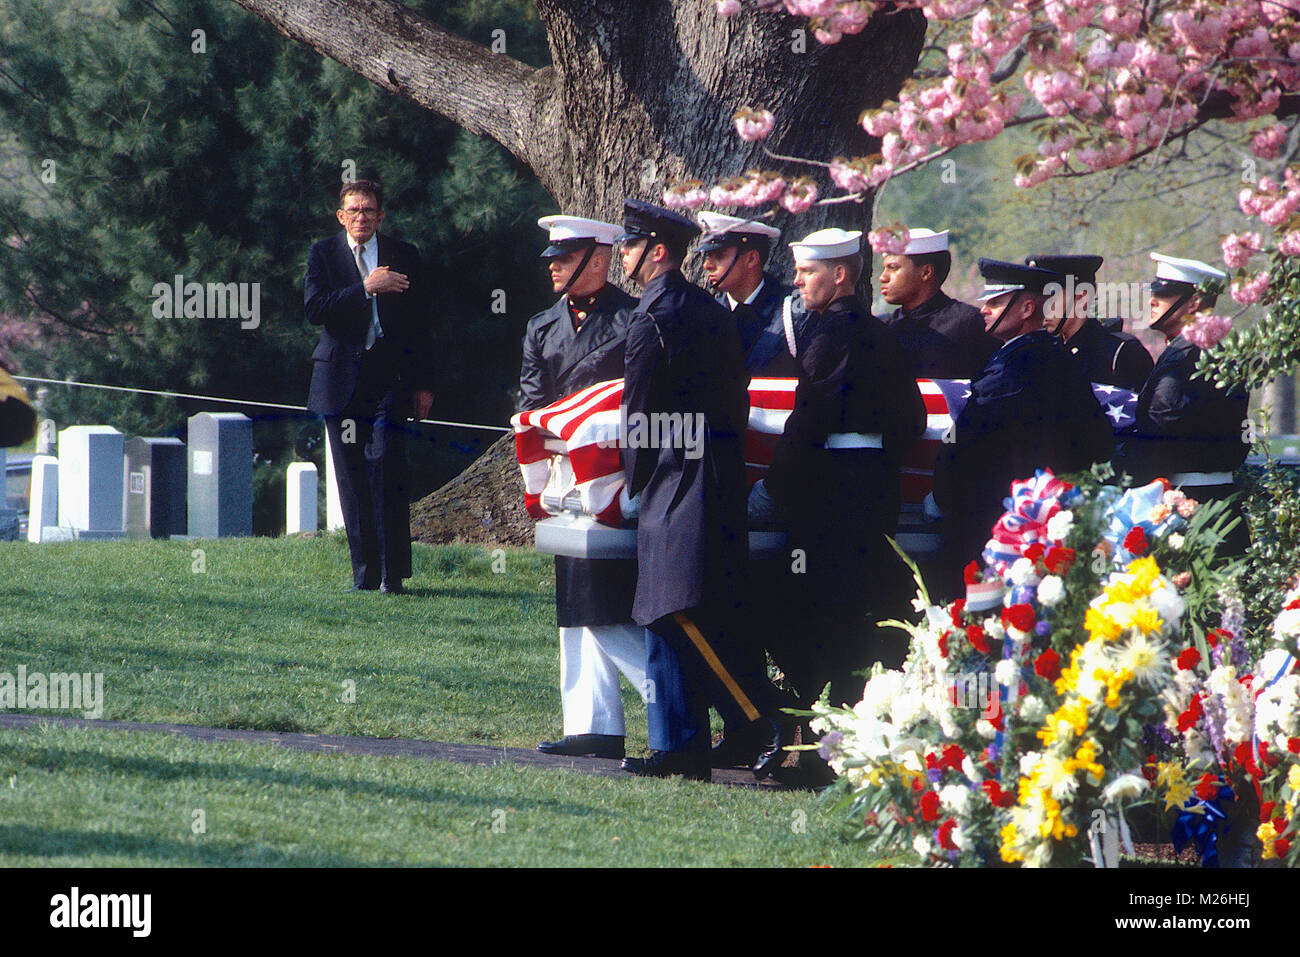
x=752, y=125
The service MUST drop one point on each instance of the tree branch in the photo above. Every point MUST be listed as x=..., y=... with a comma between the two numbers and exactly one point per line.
x=489, y=94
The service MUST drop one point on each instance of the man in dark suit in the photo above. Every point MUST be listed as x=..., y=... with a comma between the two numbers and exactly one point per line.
x=371, y=369
x=685, y=409
x=734, y=252
x=944, y=338
x=1031, y=407
x=1185, y=429
x=1111, y=357
x=575, y=344
x=835, y=477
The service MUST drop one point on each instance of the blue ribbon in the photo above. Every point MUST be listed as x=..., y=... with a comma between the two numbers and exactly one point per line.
x=1202, y=826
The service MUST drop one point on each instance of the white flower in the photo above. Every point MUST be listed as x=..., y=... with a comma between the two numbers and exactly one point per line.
x=879, y=694
x=1175, y=541
x=1051, y=591
x=1022, y=572
x=1007, y=673
x=959, y=838
x=1169, y=605
x=1058, y=526
x=1126, y=787
x=968, y=768
x=1147, y=660
x=1032, y=709
x=956, y=798
x=1028, y=761
x=993, y=628
x=985, y=730
x=922, y=846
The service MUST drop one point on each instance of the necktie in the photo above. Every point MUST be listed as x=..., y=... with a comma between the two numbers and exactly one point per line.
x=376, y=331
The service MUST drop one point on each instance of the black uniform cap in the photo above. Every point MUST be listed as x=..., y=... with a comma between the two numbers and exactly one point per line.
x=1002, y=277
x=1082, y=268
x=642, y=220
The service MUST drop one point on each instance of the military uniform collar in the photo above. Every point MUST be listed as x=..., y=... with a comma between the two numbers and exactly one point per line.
x=939, y=300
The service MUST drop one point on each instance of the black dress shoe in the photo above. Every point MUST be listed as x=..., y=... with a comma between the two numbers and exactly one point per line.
x=693, y=765
x=780, y=733
x=739, y=747
x=595, y=745
x=362, y=588
x=392, y=588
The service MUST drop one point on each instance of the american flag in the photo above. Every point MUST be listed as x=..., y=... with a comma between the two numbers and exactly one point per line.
x=584, y=427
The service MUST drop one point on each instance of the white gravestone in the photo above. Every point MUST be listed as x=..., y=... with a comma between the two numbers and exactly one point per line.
x=91, y=461
x=44, y=508
x=333, y=508
x=300, y=499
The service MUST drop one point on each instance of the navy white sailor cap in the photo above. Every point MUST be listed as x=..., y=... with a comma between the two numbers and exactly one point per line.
x=921, y=241
x=1175, y=275
x=721, y=231
x=568, y=233
x=832, y=243
x=1002, y=277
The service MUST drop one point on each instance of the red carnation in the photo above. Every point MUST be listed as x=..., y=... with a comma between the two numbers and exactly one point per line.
x=1293, y=745
x=975, y=635
x=1292, y=605
x=943, y=644
x=1019, y=616
x=1266, y=759
x=1048, y=664
x=997, y=796
x=1059, y=559
x=1035, y=551
x=1281, y=846
x=1243, y=756
x=931, y=762
x=916, y=784
x=1266, y=810
x=953, y=756
x=945, y=835
x=1149, y=773
x=1193, y=714
x=1188, y=659
x=1136, y=541
x=971, y=574
x=955, y=610
x=929, y=806
x=1215, y=635
x=1208, y=787
x=1279, y=825
x=997, y=720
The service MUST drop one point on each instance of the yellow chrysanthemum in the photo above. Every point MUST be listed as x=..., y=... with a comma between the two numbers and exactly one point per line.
x=1101, y=625
x=1293, y=778
x=1266, y=832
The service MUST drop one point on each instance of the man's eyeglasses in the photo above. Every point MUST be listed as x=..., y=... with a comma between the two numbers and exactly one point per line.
x=367, y=211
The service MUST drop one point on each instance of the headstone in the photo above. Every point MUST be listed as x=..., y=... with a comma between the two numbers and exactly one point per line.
x=155, y=488
x=300, y=499
x=90, y=480
x=43, y=510
x=8, y=516
x=333, y=507
x=220, y=486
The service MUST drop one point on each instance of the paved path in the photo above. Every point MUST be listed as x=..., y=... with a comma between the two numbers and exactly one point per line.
x=480, y=755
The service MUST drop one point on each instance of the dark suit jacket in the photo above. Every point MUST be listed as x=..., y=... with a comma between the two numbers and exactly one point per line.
x=684, y=356
x=944, y=338
x=1110, y=357
x=762, y=330
x=335, y=299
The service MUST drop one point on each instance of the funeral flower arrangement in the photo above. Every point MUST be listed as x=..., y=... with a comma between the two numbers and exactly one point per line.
x=1031, y=714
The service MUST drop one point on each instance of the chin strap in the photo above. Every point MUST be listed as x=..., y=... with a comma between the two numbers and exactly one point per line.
x=586, y=258
x=1178, y=304
x=717, y=284
x=1010, y=302
x=636, y=271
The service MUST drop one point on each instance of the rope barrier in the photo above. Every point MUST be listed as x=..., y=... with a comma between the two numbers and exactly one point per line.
x=217, y=398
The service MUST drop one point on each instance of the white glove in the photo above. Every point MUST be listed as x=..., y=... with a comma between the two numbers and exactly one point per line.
x=630, y=507
x=762, y=507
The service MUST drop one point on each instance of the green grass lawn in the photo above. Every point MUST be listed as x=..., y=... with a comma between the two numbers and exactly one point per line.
x=260, y=634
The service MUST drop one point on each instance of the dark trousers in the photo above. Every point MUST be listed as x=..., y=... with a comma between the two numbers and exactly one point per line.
x=371, y=473
x=694, y=661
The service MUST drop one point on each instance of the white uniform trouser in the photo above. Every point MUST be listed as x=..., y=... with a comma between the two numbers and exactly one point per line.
x=590, y=659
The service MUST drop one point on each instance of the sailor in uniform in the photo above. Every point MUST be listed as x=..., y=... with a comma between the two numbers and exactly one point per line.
x=835, y=476
x=684, y=371
x=770, y=325
x=1031, y=407
x=1111, y=357
x=944, y=338
x=1185, y=429
x=576, y=343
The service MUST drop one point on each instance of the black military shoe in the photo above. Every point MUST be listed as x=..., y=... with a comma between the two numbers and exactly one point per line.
x=779, y=732
x=595, y=745
x=739, y=747
x=693, y=765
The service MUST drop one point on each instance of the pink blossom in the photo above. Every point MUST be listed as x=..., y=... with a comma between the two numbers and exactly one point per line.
x=1237, y=249
x=688, y=195
x=888, y=242
x=1206, y=331
x=1249, y=202
x=727, y=8
x=1248, y=292
x=850, y=175
x=879, y=122
x=1290, y=244
x=752, y=125
x=799, y=195
x=1280, y=210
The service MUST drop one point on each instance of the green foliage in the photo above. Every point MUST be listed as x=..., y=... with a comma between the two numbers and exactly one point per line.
x=222, y=166
x=1272, y=505
x=1255, y=355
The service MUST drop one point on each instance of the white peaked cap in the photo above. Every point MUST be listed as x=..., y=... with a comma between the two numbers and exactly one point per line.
x=830, y=243
x=575, y=227
x=715, y=224
x=925, y=241
x=1173, y=269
